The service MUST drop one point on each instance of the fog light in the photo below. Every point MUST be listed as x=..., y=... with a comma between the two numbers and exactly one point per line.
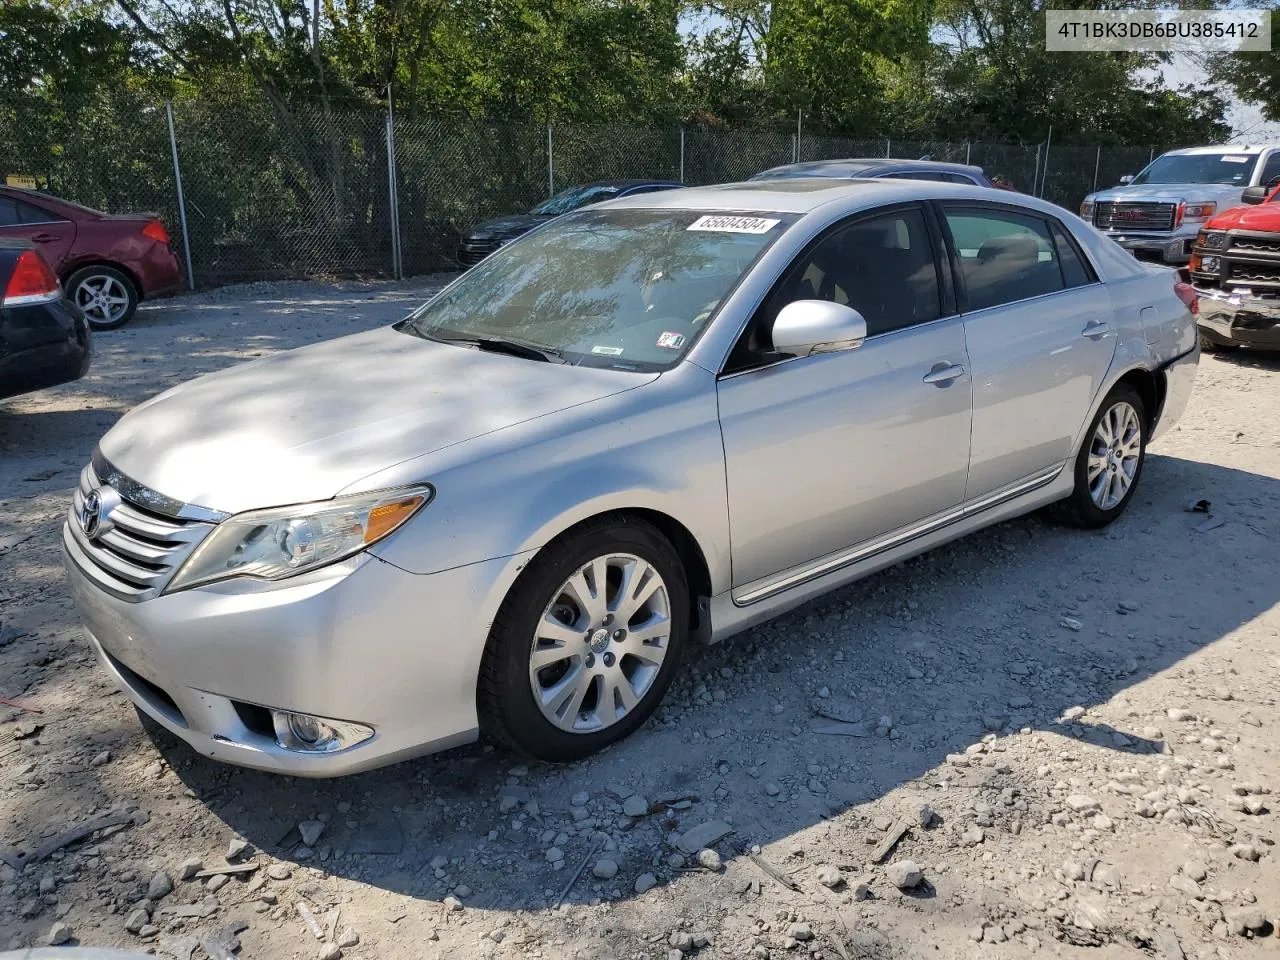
x=1210, y=264
x=308, y=734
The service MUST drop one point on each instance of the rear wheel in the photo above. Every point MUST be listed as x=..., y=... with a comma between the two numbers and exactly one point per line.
x=587, y=642
x=1209, y=345
x=1110, y=461
x=106, y=296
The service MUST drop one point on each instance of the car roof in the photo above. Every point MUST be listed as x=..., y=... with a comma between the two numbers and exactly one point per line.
x=623, y=184
x=1251, y=149
x=805, y=194
x=866, y=167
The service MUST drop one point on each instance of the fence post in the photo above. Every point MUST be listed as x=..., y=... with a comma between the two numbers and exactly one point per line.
x=1044, y=177
x=799, y=129
x=182, y=204
x=887, y=152
x=1096, y=164
x=1035, y=180
x=393, y=200
x=551, y=164
x=682, y=154
x=967, y=147
x=1151, y=156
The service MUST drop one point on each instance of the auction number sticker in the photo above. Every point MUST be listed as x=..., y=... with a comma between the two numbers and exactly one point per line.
x=723, y=224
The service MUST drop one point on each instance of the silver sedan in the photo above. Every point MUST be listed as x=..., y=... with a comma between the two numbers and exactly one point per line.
x=649, y=423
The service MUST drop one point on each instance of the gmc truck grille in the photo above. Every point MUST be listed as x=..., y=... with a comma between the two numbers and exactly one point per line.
x=1134, y=216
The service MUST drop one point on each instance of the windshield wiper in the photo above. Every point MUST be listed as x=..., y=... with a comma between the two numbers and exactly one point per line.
x=515, y=348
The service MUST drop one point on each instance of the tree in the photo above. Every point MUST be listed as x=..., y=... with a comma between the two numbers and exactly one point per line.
x=1254, y=76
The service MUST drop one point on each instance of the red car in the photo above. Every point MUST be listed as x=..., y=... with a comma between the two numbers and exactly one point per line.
x=106, y=263
x=1235, y=268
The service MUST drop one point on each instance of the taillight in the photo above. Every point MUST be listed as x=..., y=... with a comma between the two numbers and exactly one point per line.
x=31, y=281
x=1187, y=294
x=155, y=230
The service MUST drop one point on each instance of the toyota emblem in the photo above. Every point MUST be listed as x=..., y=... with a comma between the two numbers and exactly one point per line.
x=95, y=511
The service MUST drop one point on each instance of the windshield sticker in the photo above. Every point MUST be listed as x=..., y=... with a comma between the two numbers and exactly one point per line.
x=671, y=341
x=723, y=224
x=607, y=351
x=1235, y=159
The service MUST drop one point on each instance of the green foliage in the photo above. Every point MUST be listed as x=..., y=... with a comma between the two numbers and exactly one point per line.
x=1255, y=76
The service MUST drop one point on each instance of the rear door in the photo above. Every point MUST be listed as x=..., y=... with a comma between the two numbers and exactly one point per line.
x=1040, y=334
x=53, y=235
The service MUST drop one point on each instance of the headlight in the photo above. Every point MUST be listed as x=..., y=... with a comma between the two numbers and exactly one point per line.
x=1086, y=211
x=1197, y=211
x=1211, y=239
x=285, y=541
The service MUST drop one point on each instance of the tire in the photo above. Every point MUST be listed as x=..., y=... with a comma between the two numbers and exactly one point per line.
x=1091, y=508
x=542, y=615
x=106, y=296
x=1209, y=345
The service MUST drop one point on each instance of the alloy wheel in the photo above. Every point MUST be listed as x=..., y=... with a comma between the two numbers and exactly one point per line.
x=1114, y=454
x=102, y=298
x=600, y=643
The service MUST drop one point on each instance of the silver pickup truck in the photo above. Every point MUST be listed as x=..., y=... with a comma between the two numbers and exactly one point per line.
x=1158, y=213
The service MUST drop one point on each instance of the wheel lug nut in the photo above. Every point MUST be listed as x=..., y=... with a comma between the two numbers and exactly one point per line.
x=608, y=619
x=591, y=660
x=619, y=635
x=608, y=659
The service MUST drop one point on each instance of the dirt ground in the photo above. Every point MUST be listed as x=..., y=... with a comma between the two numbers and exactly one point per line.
x=1088, y=722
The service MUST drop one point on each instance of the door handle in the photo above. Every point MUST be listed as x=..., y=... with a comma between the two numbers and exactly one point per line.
x=44, y=238
x=943, y=373
x=1096, y=329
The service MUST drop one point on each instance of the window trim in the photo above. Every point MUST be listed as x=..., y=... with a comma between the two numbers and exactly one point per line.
x=945, y=303
x=962, y=293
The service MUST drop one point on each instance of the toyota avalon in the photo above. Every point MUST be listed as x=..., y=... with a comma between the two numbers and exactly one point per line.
x=652, y=422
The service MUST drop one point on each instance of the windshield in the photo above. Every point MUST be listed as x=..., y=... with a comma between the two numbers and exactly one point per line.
x=1232, y=168
x=628, y=289
x=575, y=197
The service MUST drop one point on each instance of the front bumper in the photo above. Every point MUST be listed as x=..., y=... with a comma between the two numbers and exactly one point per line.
x=361, y=641
x=1158, y=247
x=1239, y=320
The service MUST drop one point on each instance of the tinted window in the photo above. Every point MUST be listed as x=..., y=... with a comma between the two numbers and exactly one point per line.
x=1271, y=172
x=959, y=178
x=1004, y=256
x=16, y=212
x=1074, y=270
x=883, y=267
x=8, y=212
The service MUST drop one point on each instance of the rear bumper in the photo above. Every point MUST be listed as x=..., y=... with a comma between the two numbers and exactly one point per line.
x=158, y=270
x=1240, y=320
x=1179, y=378
x=47, y=364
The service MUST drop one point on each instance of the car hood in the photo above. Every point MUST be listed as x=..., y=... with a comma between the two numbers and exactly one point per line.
x=306, y=424
x=506, y=228
x=1170, y=191
x=1264, y=217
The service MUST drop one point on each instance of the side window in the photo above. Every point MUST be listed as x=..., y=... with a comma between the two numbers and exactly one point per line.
x=30, y=213
x=960, y=178
x=1271, y=170
x=1074, y=270
x=1004, y=256
x=8, y=213
x=882, y=266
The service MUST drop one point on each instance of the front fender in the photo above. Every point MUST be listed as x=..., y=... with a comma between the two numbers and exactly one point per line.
x=655, y=448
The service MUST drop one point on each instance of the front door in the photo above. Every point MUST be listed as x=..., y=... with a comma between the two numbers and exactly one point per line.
x=49, y=233
x=1041, y=338
x=828, y=451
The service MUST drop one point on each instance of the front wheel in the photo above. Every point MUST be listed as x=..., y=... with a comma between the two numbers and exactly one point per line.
x=587, y=642
x=1110, y=461
x=105, y=295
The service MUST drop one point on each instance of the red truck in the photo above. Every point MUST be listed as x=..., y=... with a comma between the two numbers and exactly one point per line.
x=1235, y=269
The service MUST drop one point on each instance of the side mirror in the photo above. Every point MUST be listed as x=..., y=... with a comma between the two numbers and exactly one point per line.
x=1254, y=195
x=1127, y=178
x=803, y=327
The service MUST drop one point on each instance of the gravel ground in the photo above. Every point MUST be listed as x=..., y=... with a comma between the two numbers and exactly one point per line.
x=1072, y=735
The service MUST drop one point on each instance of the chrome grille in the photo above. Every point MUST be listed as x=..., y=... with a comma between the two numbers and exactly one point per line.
x=1133, y=216
x=472, y=250
x=135, y=557
x=1254, y=273
x=1241, y=244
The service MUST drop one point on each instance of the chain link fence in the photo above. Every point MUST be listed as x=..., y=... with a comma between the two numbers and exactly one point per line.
x=275, y=191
